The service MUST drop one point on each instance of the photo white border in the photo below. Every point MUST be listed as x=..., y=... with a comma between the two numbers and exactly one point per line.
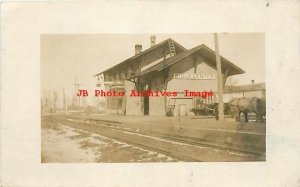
x=21, y=26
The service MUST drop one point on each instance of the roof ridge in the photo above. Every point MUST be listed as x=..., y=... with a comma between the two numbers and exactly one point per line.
x=141, y=53
x=182, y=55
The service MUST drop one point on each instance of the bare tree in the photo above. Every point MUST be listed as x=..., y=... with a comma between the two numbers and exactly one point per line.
x=55, y=99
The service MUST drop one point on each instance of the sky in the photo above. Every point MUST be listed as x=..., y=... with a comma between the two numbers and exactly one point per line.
x=66, y=57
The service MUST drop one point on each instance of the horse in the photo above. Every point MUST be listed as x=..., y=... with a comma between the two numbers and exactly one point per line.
x=239, y=106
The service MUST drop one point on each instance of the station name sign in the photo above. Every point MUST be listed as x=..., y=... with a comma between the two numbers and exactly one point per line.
x=194, y=76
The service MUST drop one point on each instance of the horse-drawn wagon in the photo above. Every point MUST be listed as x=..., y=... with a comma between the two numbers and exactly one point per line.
x=208, y=109
x=240, y=108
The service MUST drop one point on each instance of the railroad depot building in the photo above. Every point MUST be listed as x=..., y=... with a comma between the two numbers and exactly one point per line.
x=166, y=66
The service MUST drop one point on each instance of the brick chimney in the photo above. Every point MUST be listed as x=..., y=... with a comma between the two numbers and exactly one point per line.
x=152, y=41
x=138, y=48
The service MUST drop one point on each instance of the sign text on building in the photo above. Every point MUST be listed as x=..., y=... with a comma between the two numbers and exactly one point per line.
x=195, y=76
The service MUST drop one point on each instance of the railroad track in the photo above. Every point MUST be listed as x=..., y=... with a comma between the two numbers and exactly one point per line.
x=112, y=124
x=143, y=138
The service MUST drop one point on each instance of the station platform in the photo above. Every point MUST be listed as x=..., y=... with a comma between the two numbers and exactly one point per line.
x=200, y=122
x=250, y=136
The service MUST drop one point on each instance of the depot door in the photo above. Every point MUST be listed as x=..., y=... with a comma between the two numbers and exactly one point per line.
x=182, y=110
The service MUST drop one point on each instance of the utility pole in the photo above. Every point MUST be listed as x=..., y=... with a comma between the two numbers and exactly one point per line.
x=64, y=101
x=76, y=84
x=220, y=79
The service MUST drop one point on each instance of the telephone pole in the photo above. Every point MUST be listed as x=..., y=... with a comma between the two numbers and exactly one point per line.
x=76, y=84
x=220, y=79
x=64, y=101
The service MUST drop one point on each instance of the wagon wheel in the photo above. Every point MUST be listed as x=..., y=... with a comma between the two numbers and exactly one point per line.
x=209, y=111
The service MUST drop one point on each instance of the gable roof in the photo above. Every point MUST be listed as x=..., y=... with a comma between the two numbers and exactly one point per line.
x=204, y=51
x=179, y=48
